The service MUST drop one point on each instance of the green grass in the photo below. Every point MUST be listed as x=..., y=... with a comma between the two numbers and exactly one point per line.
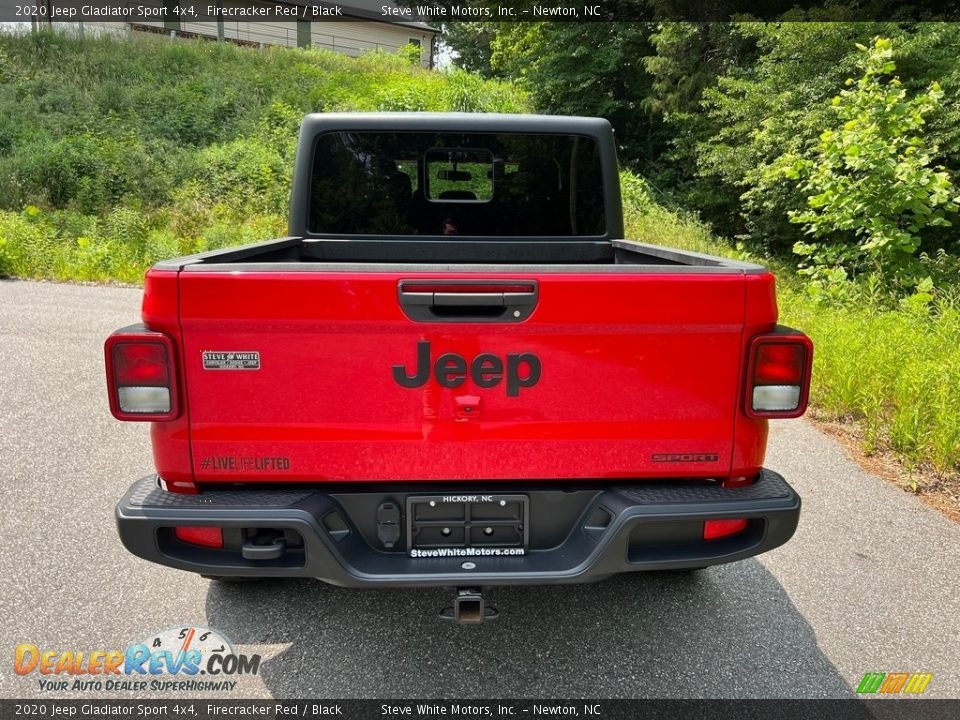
x=648, y=221
x=115, y=153
x=895, y=371
x=120, y=246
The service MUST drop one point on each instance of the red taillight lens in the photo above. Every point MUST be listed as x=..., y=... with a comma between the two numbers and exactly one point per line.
x=140, y=364
x=778, y=375
x=206, y=536
x=779, y=364
x=141, y=375
x=716, y=529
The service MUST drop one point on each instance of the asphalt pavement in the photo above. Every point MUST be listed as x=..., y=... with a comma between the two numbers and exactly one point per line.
x=870, y=582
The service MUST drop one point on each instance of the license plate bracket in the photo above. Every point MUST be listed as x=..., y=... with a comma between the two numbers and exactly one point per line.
x=467, y=524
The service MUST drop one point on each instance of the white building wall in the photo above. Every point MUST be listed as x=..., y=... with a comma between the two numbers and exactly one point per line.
x=355, y=38
x=283, y=33
x=348, y=37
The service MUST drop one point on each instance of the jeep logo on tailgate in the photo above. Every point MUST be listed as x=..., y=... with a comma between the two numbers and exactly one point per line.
x=486, y=370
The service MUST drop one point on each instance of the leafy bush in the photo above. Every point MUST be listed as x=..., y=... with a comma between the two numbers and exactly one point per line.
x=126, y=151
x=635, y=193
x=737, y=97
x=88, y=172
x=245, y=174
x=160, y=244
x=66, y=245
x=648, y=220
x=870, y=186
x=28, y=241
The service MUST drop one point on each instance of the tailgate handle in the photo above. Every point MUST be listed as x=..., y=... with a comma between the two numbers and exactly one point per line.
x=468, y=300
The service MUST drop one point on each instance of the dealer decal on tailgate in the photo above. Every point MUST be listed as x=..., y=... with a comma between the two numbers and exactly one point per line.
x=233, y=360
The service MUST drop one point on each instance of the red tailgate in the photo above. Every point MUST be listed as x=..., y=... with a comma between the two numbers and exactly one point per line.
x=638, y=377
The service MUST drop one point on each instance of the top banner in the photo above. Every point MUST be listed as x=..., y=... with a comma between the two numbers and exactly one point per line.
x=435, y=13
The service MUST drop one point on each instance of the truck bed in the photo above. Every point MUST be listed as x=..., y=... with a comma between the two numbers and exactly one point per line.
x=549, y=255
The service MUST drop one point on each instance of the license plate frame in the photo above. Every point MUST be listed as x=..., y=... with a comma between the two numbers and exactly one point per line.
x=468, y=525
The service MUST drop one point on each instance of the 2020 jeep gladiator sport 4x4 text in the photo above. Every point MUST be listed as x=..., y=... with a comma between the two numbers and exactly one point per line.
x=455, y=371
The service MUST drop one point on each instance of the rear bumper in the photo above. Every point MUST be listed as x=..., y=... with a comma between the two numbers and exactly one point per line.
x=576, y=534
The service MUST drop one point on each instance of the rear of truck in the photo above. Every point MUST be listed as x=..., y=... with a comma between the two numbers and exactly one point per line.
x=371, y=402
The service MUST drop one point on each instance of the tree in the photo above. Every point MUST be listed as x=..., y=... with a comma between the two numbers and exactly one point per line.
x=871, y=185
x=769, y=97
x=768, y=102
x=471, y=41
x=588, y=69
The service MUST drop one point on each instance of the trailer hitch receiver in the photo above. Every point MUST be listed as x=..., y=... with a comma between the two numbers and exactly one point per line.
x=469, y=608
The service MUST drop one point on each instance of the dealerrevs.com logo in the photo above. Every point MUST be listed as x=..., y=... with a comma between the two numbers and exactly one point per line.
x=184, y=659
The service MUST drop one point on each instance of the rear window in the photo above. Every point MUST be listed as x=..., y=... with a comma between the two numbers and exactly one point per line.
x=425, y=183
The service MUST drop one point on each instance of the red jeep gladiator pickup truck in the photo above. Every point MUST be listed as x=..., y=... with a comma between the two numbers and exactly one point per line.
x=455, y=371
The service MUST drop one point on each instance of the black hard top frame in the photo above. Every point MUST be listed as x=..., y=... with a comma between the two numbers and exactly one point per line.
x=317, y=124
x=607, y=253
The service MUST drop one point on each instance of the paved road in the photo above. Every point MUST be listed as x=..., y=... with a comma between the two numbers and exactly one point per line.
x=869, y=583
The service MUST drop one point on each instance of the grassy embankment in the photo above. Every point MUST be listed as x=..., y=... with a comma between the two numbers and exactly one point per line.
x=116, y=154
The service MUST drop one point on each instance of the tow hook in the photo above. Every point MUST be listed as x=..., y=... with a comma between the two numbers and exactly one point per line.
x=469, y=608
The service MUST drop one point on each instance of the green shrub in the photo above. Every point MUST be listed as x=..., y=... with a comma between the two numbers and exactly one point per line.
x=6, y=260
x=245, y=174
x=466, y=92
x=29, y=240
x=400, y=98
x=648, y=221
x=279, y=127
x=160, y=244
x=871, y=188
x=635, y=193
x=66, y=245
x=228, y=232
x=86, y=172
